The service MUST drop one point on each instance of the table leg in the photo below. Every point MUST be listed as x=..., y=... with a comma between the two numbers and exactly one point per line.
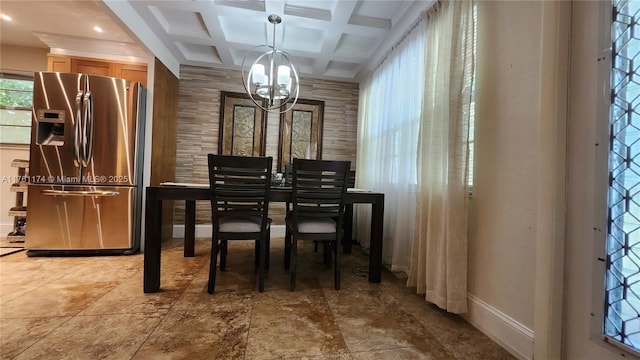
x=189, y=228
x=348, y=229
x=153, y=242
x=375, y=254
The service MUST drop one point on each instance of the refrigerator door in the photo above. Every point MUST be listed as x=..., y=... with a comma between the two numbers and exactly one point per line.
x=80, y=218
x=54, y=149
x=109, y=135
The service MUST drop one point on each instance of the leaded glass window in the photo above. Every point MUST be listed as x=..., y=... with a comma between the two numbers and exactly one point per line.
x=622, y=313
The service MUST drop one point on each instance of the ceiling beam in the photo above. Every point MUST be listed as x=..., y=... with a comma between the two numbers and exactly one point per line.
x=139, y=28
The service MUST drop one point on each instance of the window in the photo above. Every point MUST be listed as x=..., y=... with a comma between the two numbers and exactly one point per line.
x=15, y=109
x=622, y=285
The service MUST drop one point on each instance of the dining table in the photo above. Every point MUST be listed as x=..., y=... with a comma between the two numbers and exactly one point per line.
x=190, y=193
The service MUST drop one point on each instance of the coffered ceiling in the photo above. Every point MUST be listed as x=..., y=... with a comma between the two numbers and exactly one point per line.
x=336, y=39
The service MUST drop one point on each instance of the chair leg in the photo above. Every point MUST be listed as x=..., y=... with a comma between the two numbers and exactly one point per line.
x=223, y=255
x=326, y=255
x=212, y=266
x=292, y=265
x=337, y=264
x=257, y=253
x=262, y=264
x=268, y=250
x=257, y=250
x=287, y=249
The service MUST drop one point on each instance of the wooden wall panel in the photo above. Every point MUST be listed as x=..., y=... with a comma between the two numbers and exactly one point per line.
x=198, y=125
x=163, y=145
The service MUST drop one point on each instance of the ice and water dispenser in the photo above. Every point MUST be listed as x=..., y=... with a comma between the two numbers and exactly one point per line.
x=50, y=129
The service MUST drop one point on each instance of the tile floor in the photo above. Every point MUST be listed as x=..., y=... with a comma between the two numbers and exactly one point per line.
x=94, y=308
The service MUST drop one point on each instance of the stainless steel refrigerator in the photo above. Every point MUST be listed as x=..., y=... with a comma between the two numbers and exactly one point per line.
x=85, y=167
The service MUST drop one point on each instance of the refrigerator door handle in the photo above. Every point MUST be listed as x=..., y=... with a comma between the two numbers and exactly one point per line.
x=77, y=133
x=87, y=151
x=79, y=193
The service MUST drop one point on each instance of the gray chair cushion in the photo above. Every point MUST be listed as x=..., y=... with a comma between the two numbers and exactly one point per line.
x=240, y=225
x=316, y=225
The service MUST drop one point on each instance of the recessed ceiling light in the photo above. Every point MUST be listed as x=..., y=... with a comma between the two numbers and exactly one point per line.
x=97, y=29
x=5, y=17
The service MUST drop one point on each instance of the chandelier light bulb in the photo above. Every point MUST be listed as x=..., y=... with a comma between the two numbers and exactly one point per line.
x=258, y=76
x=284, y=75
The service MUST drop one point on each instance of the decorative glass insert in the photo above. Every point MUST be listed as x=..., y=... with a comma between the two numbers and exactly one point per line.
x=244, y=119
x=301, y=134
x=622, y=312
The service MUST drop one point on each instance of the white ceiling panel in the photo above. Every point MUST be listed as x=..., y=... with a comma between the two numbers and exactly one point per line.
x=299, y=38
x=244, y=32
x=180, y=22
x=355, y=46
x=306, y=9
x=381, y=9
x=199, y=53
x=305, y=65
x=338, y=69
x=254, y=5
x=327, y=5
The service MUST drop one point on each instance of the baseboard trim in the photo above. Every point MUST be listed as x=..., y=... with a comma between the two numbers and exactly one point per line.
x=508, y=333
x=204, y=230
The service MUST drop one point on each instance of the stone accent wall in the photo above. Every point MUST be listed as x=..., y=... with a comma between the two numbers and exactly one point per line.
x=199, y=118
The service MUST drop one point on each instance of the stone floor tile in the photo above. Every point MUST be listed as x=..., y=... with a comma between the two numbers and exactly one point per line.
x=94, y=337
x=199, y=334
x=297, y=330
x=18, y=334
x=55, y=299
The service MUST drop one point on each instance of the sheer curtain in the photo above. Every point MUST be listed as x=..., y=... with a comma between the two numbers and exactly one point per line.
x=439, y=253
x=389, y=113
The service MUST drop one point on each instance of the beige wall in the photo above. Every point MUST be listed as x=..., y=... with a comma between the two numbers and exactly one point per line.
x=502, y=221
x=517, y=214
x=198, y=124
x=23, y=59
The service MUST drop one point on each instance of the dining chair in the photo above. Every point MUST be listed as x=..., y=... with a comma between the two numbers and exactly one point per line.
x=239, y=208
x=318, y=189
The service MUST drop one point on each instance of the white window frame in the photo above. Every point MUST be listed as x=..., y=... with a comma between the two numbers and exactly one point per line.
x=27, y=140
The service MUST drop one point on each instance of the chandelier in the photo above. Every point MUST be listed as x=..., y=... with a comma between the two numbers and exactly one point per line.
x=272, y=80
